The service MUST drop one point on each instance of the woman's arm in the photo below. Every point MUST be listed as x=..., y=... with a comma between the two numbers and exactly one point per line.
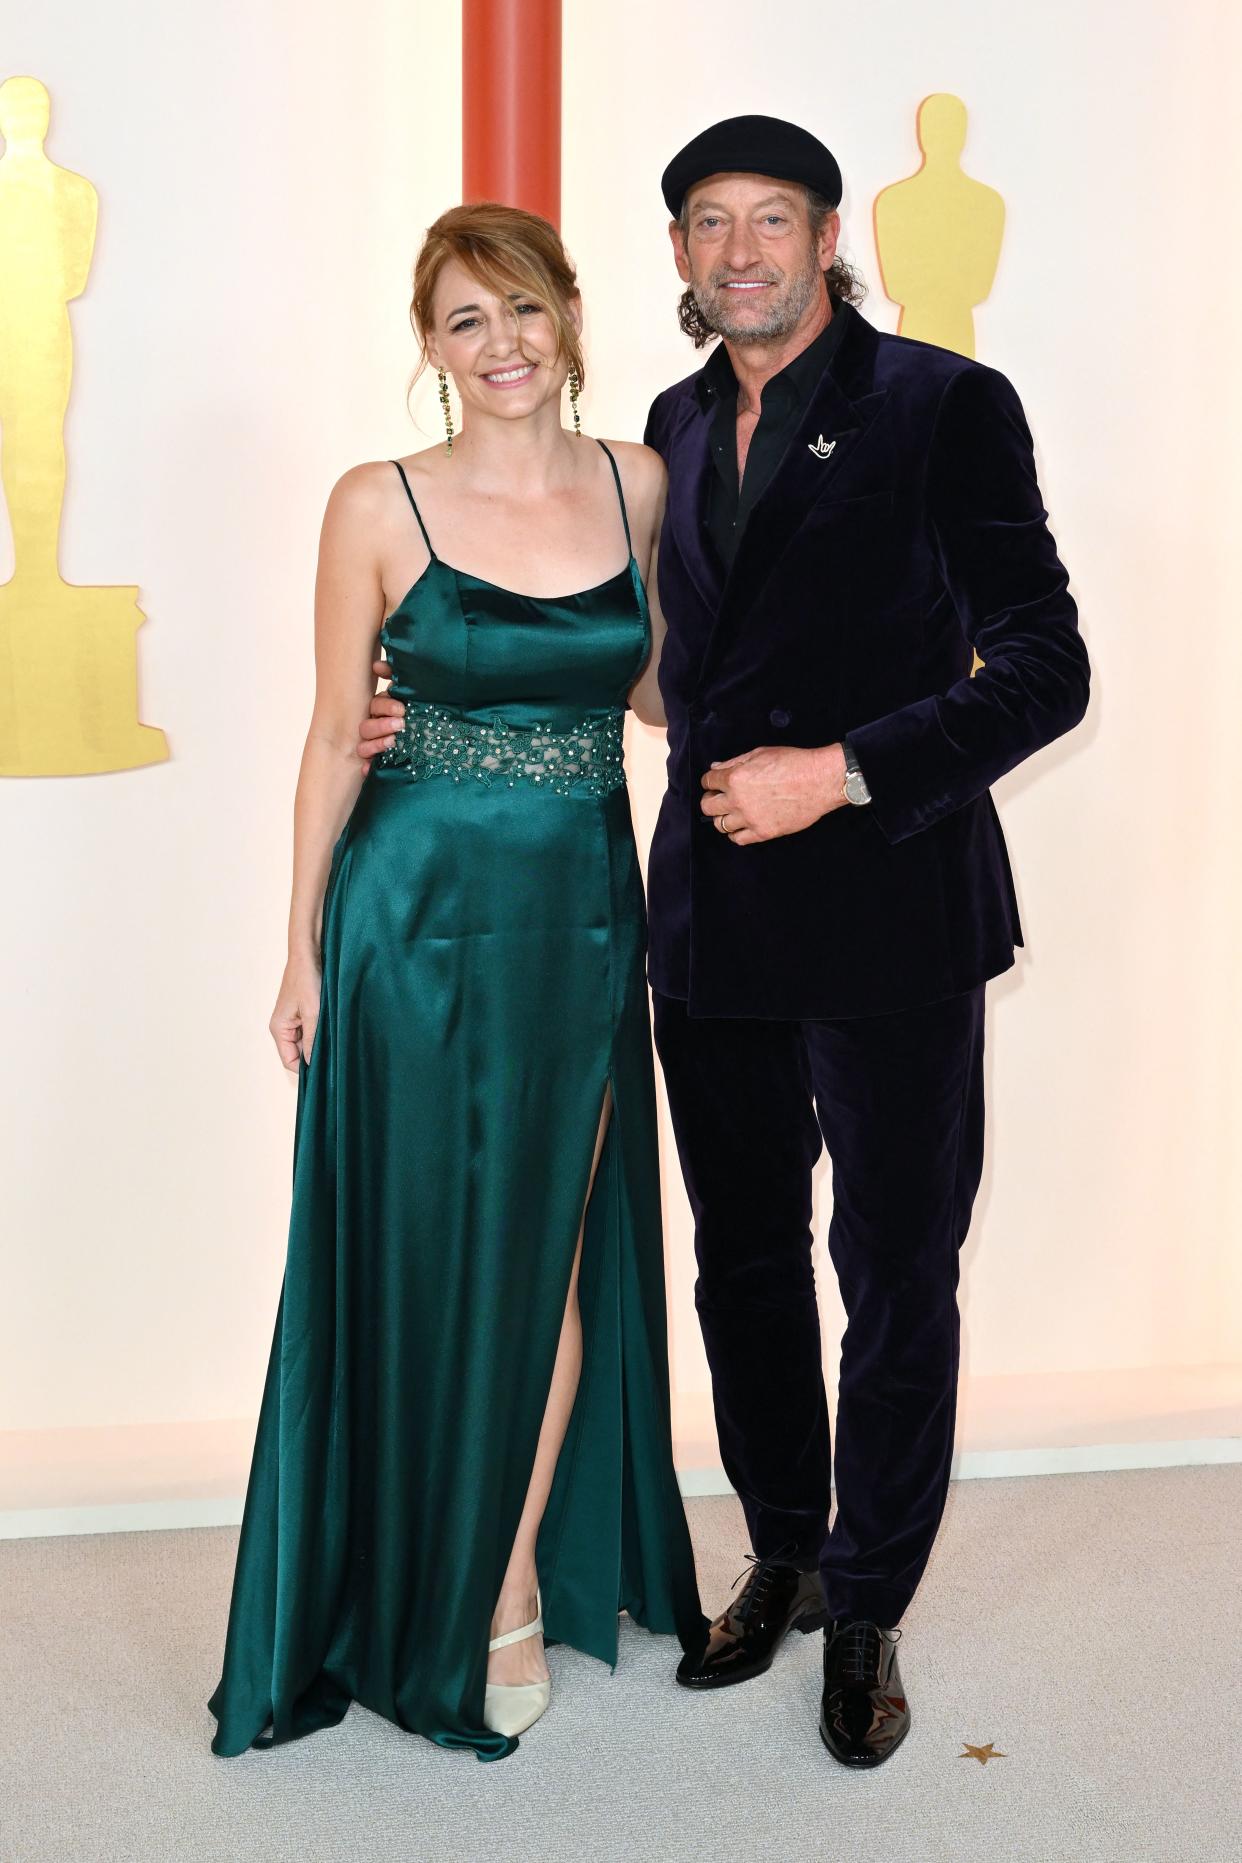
x=645, y=693
x=349, y=610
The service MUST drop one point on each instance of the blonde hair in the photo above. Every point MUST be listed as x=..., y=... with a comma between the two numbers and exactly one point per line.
x=507, y=250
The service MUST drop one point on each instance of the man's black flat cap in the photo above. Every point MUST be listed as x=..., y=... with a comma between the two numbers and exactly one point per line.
x=752, y=145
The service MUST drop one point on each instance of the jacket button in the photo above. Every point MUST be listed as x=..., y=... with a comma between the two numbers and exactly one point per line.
x=779, y=718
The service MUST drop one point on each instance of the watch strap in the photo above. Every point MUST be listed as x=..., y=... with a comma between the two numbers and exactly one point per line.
x=856, y=788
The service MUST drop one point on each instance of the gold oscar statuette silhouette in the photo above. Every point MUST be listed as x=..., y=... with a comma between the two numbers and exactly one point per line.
x=938, y=238
x=938, y=234
x=68, y=654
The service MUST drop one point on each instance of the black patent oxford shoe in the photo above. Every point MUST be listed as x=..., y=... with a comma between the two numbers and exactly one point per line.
x=773, y=1600
x=865, y=1715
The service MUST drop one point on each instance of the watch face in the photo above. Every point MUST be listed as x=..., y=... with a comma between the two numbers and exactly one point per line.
x=856, y=788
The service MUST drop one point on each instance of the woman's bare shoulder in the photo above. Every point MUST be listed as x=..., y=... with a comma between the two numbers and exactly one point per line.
x=370, y=495
x=643, y=461
x=643, y=474
x=363, y=489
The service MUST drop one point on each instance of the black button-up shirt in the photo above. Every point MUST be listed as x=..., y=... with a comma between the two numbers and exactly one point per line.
x=782, y=403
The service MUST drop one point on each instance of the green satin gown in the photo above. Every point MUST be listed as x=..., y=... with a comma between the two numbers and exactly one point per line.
x=483, y=982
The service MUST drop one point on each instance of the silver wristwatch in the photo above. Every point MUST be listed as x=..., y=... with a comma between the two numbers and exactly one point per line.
x=856, y=790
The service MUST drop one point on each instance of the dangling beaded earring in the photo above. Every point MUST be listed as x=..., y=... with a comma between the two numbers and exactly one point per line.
x=575, y=388
x=448, y=412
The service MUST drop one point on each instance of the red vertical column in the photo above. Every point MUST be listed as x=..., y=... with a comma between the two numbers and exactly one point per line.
x=511, y=103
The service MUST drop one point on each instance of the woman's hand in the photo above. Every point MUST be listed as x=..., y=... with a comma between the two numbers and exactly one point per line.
x=296, y=1015
x=646, y=700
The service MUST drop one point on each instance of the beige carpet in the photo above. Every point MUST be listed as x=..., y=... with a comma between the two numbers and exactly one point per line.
x=1087, y=1625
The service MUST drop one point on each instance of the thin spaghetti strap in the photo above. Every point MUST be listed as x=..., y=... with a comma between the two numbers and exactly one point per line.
x=414, y=508
x=625, y=516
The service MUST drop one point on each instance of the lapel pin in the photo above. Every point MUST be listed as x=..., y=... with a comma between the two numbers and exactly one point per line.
x=822, y=448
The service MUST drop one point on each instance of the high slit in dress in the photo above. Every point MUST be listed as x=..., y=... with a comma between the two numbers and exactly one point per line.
x=483, y=983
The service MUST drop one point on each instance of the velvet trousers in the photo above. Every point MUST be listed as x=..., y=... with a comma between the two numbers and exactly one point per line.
x=898, y=1101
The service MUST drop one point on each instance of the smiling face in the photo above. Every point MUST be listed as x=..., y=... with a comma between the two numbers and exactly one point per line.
x=502, y=352
x=745, y=247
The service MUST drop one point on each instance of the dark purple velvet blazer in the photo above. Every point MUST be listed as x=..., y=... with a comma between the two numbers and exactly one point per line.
x=860, y=585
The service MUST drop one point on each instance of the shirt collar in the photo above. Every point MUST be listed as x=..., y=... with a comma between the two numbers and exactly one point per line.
x=717, y=383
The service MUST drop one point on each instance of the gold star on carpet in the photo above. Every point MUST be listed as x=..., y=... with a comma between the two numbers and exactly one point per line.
x=982, y=1754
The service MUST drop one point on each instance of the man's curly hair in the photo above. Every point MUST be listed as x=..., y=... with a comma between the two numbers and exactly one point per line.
x=845, y=283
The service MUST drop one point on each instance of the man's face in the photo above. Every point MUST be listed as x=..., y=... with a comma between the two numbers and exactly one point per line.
x=749, y=256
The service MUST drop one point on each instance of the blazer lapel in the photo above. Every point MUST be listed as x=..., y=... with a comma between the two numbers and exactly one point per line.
x=821, y=462
x=690, y=469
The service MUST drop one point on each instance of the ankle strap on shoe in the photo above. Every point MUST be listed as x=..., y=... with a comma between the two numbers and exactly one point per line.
x=517, y=1636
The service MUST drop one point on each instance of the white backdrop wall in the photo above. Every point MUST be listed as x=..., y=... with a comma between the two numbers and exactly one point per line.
x=265, y=172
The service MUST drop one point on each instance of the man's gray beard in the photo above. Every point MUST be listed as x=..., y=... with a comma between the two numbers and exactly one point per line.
x=782, y=317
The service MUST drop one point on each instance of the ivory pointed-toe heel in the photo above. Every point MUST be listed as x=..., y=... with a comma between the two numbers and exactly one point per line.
x=510, y=1708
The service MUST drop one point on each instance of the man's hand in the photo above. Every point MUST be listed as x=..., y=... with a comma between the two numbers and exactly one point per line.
x=378, y=730
x=773, y=791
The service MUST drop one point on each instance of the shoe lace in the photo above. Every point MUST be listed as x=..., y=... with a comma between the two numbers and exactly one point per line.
x=759, y=1574
x=855, y=1650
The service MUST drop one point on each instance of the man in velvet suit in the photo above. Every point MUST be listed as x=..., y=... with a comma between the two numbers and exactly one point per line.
x=849, y=515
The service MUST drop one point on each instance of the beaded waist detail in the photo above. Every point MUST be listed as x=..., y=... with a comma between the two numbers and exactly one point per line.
x=434, y=740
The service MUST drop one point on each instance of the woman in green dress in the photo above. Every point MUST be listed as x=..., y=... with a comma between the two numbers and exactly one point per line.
x=464, y=1435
